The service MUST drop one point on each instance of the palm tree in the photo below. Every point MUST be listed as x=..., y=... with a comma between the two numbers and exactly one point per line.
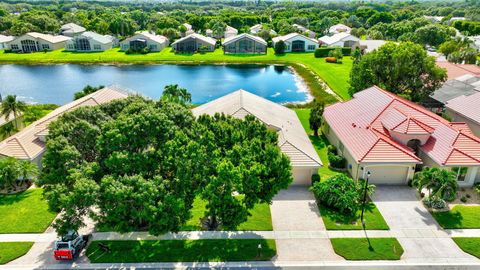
x=9, y=172
x=27, y=169
x=174, y=93
x=12, y=106
x=7, y=130
x=446, y=184
x=424, y=179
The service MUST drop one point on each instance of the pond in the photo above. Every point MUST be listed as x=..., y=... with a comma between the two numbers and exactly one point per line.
x=57, y=83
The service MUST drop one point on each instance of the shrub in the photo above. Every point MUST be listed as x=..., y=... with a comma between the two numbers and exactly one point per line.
x=434, y=202
x=331, y=60
x=463, y=199
x=338, y=192
x=203, y=49
x=337, y=53
x=331, y=149
x=476, y=187
x=145, y=50
x=315, y=179
x=279, y=47
x=324, y=51
x=337, y=161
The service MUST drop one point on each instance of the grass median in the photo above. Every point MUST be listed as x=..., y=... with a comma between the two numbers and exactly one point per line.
x=25, y=212
x=335, y=75
x=211, y=250
x=459, y=217
x=470, y=245
x=360, y=249
x=9, y=251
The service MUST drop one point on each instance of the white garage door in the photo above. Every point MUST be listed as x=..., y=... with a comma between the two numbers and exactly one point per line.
x=393, y=175
x=302, y=176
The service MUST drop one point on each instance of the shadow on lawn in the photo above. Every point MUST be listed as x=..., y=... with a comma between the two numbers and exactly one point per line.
x=349, y=219
x=449, y=219
x=181, y=250
x=15, y=198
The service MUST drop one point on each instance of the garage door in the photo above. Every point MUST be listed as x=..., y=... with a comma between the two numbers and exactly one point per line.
x=394, y=175
x=301, y=176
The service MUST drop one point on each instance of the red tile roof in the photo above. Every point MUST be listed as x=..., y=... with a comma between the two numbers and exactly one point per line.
x=363, y=124
x=457, y=70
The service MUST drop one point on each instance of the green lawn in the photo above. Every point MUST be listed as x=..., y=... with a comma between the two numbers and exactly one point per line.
x=336, y=221
x=470, y=245
x=319, y=143
x=357, y=249
x=459, y=217
x=26, y=212
x=335, y=75
x=260, y=220
x=12, y=250
x=182, y=251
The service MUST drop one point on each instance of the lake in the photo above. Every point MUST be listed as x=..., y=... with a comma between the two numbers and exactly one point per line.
x=57, y=83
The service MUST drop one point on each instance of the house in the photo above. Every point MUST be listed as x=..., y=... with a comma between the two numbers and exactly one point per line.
x=339, y=28
x=343, y=39
x=193, y=43
x=4, y=41
x=464, y=85
x=466, y=109
x=292, y=138
x=457, y=70
x=388, y=136
x=29, y=143
x=435, y=19
x=244, y=43
x=37, y=42
x=258, y=27
x=304, y=30
x=141, y=40
x=475, y=42
x=366, y=46
x=71, y=30
x=188, y=31
x=209, y=33
x=295, y=42
x=89, y=42
x=230, y=32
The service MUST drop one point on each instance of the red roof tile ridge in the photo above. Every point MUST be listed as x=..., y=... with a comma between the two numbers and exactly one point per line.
x=470, y=136
x=394, y=143
x=21, y=146
x=423, y=125
x=369, y=150
x=461, y=152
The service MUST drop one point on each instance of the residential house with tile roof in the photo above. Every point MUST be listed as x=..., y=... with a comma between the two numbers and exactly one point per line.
x=244, y=44
x=71, y=29
x=339, y=28
x=37, y=42
x=388, y=136
x=295, y=42
x=142, y=40
x=292, y=138
x=343, y=39
x=4, y=41
x=466, y=108
x=89, y=42
x=193, y=43
x=29, y=143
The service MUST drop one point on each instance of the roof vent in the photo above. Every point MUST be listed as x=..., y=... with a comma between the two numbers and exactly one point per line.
x=354, y=125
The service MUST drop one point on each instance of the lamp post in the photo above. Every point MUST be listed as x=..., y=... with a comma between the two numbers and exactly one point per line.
x=365, y=198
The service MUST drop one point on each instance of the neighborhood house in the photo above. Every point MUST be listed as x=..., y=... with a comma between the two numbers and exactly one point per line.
x=295, y=42
x=464, y=85
x=230, y=32
x=304, y=30
x=391, y=137
x=4, y=41
x=343, y=39
x=37, y=42
x=193, y=43
x=29, y=143
x=292, y=138
x=466, y=108
x=142, y=40
x=339, y=28
x=244, y=43
x=89, y=42
x=71, y=29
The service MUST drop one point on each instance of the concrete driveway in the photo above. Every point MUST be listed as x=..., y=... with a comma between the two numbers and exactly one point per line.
x=295, y=209
x=423, y=240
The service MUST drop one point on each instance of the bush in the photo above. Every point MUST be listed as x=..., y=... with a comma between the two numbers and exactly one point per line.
x=315, y=179
x=203, y=49
x=434, y=202
x=463, y=199
x=476, y=187
x=337, y=161
x=331, y=149
x=339, y=192
x=331, y=60
x=279, y=47
x=324, y=51
x=337, y=53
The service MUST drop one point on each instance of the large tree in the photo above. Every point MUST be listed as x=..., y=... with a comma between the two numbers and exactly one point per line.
x=404, y=69
x=315, y=119
x=11, y=106
x=136, y=164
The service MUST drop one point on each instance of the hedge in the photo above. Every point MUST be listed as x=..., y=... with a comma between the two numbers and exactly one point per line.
x=323, y=51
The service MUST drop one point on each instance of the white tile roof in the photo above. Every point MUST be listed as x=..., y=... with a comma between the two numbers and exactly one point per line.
x=48, y=38
x=292, y=138
x=292, y=36
x=372, y=44
x=4, y=39
x=72, y=28
x=157, y=38
x=97, y=37
x=27, y=143
x=468, y=106
x=337, y=28
x=203, y=38
x=234, y=38
x=337, y=38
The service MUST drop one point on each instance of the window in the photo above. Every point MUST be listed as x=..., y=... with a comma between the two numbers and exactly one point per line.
x=45, y=47
x=70, y=47
x=29, y=45
x=153, y=47
x=82, y=44
x=97, y=47
x=311, y=47
x=460, y=172
x=14, y=47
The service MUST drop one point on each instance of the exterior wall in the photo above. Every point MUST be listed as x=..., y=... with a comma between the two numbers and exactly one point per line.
x=302, y=176
x=308, y=44
x=197, y=43
x=40, y=44
x=404, y=138
x=152, y=45
x=95, y=46
x=475, y=127
x=3, y=46
x=388, y=174
x=253, y=47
